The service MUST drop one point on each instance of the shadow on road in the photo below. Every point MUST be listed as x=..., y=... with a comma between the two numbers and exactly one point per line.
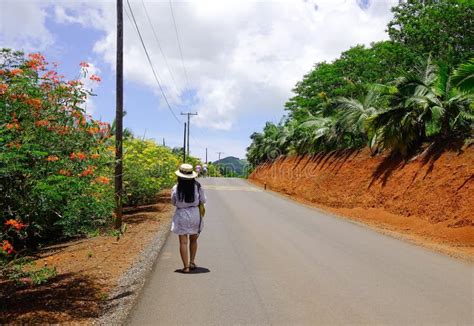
x=197, y=270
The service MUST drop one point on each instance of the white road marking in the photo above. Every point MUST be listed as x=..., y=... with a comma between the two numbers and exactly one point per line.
x=231, y=188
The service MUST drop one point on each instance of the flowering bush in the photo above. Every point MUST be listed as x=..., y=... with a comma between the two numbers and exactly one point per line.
x=54, y=162
x=148, y=168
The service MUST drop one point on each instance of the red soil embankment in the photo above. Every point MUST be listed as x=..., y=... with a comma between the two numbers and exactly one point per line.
x=429, y=199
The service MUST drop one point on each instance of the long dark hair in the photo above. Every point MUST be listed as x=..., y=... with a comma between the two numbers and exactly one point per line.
x=186, y=190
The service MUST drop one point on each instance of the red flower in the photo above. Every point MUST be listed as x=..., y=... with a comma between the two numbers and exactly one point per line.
x=65, y=172
x=16, y=71
x=14, y=125
x=79, y=156
x=36, y=62
x=92, y=131
x=74, y=82
x=84, y=64
x=88, y=171
x=95, y=78
x=102, y=179
x=41, y=123
x=15, y=224
x=3, y=88
x=7, y=247
x=13, y=144
x=34, y=102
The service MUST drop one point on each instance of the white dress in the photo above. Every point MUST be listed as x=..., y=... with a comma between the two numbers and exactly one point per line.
x=186, y=218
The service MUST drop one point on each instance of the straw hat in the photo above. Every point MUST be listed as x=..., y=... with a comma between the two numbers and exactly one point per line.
x=186, y=172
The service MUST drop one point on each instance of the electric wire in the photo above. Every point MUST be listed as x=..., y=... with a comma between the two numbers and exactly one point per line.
x=159, y=47
x=151, y=64
x=179, y=44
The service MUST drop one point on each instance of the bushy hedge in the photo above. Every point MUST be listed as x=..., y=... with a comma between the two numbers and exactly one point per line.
x=148, y=168
x=54, y=161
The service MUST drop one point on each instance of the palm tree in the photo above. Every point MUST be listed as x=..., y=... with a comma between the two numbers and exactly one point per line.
x=354, y=114
x=463, y=76
x=423, y=107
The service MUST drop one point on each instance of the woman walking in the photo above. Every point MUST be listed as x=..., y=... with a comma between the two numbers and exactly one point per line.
x=187, y=195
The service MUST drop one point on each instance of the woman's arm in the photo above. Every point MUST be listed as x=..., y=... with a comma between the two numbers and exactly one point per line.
x=202, y=196
x=173, y=195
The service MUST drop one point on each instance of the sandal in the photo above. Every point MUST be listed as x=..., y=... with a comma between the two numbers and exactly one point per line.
x=192, y=266
x=186, y=270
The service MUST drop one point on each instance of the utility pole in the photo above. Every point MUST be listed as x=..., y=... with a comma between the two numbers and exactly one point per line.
x=164, y=143
x=189, y=114
x=220, y=154
x=119, y=119
x=184, y=144
x=206, y=156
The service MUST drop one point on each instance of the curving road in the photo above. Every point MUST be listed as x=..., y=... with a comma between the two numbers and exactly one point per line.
x=273, y=261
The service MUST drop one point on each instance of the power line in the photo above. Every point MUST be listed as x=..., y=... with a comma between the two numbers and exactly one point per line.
x=151, y=64
x=179, y=44
x=159, y=46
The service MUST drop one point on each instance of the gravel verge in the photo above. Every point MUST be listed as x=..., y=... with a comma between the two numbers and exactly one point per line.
x=128, y=289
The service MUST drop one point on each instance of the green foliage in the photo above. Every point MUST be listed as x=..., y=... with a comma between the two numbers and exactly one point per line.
x=419, y=106
x=349, y=76
x=463, y=76
x=148, y=168
x=24, y=271
x=54, y=162
x=444, y=28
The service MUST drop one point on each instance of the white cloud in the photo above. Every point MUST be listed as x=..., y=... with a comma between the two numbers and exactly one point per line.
x=241, y=56
x=22, y=25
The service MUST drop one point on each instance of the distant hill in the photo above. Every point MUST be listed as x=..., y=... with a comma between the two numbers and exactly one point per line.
x=232, y=166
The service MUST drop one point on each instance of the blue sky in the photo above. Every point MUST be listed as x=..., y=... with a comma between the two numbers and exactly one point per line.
x=241, y=58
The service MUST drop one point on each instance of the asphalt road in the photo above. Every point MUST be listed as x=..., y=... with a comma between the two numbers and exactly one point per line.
x=273, y=261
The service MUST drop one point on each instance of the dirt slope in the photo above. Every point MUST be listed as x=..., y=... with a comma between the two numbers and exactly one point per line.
x=429, y=199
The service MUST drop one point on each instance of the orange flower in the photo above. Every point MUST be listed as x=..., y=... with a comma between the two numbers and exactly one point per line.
x=74, y=83
x=52, y=158
x=79, y=156
x=36, y=56
x=95, y=78
x=95, y=156
x=41, y=123
x=34, y=102
x=2, y=72
x=93, y=130
x=16, y=71
x=88, y=171
x=3, y=88
x=14, y=125
x=15, y=224
x=36, y=62
x=102, y=179
x=65, y=172
x=13, y=144
x=7, y=247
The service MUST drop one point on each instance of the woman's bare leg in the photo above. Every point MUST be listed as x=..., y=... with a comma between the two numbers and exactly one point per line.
x=183, y=250
x=193, y=246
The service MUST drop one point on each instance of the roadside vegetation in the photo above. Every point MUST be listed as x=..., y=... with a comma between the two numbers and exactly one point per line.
x=416, y=88
x=56, y=164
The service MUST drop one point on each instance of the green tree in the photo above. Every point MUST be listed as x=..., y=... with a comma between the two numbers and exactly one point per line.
x=349, y=76
x=444, y=28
